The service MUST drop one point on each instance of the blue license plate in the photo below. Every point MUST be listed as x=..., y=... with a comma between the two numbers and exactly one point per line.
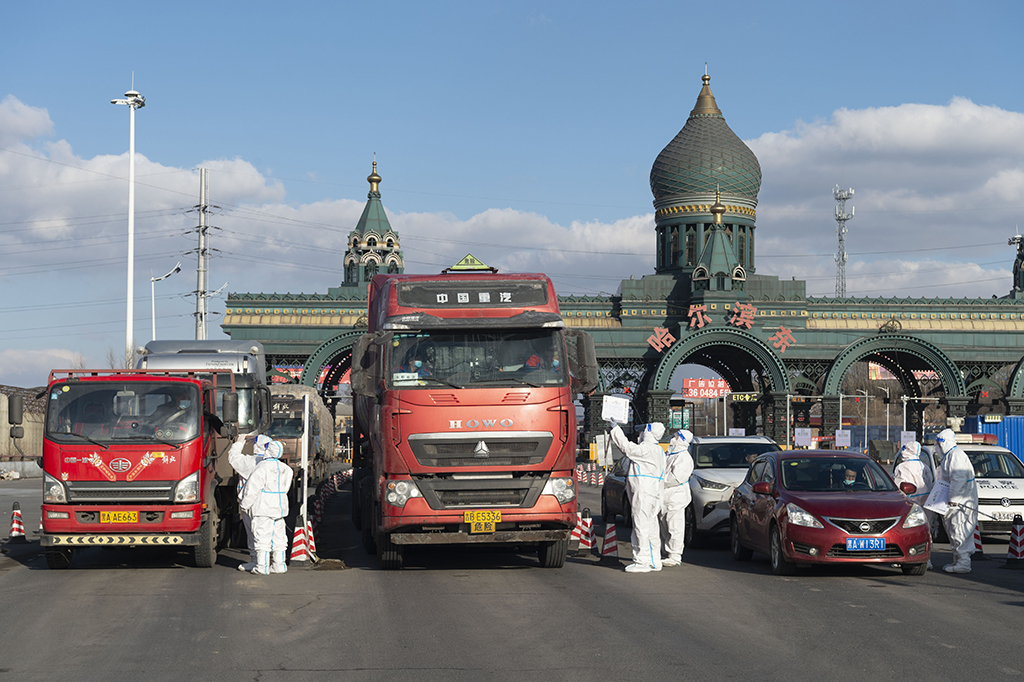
x=864, y=544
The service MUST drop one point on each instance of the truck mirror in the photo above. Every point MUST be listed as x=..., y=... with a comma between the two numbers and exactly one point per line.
x=17, y=432
x=586, y=361
x=15, y=410
x=363, y=362
x=230, y=408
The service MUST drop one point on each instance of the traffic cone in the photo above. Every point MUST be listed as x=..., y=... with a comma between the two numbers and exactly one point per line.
x=610, y=550
x=587, y=534
x=1015, y=552
x=311, y=541
x=577, y=529
x=299, y=552
x=17, y=534
x=600, y=478
x=593, y=478
x=979, y=551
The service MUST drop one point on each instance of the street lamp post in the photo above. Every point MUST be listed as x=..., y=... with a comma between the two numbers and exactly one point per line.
x=133, y=100
x=886, y=389
x=152, y=293
x=864, y=439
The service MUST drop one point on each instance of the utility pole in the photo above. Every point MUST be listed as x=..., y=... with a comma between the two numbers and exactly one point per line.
x=842, y=216
x=203, y=252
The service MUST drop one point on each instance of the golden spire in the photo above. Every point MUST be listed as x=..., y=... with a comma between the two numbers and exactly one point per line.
x=374, y=179
x=706, y=104
x=717, y=209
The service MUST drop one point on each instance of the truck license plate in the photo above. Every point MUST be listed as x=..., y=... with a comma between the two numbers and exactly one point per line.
x=864, y=544
x=482, y=521
x=119, y=517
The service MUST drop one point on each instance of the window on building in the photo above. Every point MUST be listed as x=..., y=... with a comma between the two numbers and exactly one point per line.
x=352, y=273
x=691, y=245
x=673, y=244
x=741, y=254
x=371, y=242
x=392, y=268
x=371, y=270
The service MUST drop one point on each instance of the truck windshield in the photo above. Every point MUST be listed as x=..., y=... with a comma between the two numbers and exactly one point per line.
x=285, y=427
x=105, y=412
x=476, y=359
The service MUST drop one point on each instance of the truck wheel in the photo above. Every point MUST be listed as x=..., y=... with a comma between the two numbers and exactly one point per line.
x=56, y=558
x=389, y=554
x=205, y=552
x=552, y=554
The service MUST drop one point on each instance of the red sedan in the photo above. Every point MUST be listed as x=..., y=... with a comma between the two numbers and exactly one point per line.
x=826, y=507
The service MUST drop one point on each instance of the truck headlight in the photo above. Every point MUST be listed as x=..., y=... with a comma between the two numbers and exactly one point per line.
x=399, y=492
x=916, y=517
x=187, y=489
x=801, y=517
x=54, y=491
x=562, y=488
x=711, y=485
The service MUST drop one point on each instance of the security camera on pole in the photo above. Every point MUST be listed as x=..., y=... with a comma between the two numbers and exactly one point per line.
x=133, y=100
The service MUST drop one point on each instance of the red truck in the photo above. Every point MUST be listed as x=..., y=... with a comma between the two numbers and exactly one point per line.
x=129, y=459
x=464, y=418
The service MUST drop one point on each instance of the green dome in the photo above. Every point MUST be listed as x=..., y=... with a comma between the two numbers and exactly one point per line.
x=704, y=156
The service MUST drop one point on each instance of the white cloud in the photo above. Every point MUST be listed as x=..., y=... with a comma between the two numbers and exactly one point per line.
x=18, y=121
x=25, y=367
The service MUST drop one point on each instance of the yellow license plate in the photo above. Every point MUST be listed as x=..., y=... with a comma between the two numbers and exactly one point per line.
x=119, y=517
x=482, y=521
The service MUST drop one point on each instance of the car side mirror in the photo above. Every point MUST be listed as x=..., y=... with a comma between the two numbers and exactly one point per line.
x=762, y=488
x=908, y=488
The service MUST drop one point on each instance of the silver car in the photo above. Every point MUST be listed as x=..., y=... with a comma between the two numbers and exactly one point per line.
x=719, y=465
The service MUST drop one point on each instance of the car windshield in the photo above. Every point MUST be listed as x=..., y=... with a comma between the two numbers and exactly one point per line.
x=477, y=359
x=840, y=474
x=994, y=464
x=108, y=411
x=731, y=455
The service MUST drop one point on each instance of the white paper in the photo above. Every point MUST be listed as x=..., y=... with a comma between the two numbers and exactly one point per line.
x=938, y=499
x=614, y=407
x=842, y=438
x=606, y=450
x=738, y=432
x=802, y=437
x=907, y=437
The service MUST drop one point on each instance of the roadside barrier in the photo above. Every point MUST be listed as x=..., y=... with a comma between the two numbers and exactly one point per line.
x=610, y=550
x=1015, y=551
x=17, y=534
x=299, y=551
x=600, y=478
x=577, y=531
x=979, y=551
x=587, y=534
x=310, y=540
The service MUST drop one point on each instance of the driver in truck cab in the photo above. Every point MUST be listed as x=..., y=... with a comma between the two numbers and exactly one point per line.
x=171, y=410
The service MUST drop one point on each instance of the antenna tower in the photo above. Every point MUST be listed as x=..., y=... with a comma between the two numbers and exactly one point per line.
x=842, y=216
x=203, y=253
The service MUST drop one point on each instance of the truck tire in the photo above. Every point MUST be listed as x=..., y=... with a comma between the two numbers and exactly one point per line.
x=57, y=558
x=388, y=553
x=205, y=553
x=552, y=554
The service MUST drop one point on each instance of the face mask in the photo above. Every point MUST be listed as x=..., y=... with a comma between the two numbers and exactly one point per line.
x=847, y=481
x=417, y=363
x=554, y=364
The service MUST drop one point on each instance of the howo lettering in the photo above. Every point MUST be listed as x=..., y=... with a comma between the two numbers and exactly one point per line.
x=465, y=424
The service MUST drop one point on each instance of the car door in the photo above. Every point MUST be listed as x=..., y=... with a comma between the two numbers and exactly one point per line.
x=763, y=506
x=743, y=499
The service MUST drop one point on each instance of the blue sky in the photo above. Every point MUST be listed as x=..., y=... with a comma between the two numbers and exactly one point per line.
x=515, y=130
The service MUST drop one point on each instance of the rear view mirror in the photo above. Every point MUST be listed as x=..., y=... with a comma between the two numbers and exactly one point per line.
x=908, y=488
x=364, y=360
x=230, y=408
x=15, y=410
x=583, y=360
x=762, y=488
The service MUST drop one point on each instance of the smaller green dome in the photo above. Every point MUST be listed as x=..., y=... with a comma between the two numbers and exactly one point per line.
x=705, y=156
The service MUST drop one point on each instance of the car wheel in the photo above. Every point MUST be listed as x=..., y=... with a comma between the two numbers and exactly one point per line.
x=780, y=565
x=606, y=513
x=739, y=552
x=915, y=569
x=690, y=537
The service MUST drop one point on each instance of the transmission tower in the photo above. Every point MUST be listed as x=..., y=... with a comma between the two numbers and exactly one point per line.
x=842, y=216
x=202, y=291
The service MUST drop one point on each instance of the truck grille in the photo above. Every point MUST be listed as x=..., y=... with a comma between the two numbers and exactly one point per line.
x=481, y=498
x=487, y=448
x=450, y=493
x=119, y=492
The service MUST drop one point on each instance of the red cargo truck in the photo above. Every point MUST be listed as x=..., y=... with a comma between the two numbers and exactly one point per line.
x=464, y=416
x=129, y=459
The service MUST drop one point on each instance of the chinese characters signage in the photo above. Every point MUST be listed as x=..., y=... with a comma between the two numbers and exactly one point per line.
x=466, y=294
x=705, y=388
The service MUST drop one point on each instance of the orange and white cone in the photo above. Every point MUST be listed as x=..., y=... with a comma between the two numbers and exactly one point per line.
x=1015, y=551
x=299, y=551
x=578, y=529
x=311, y=539
x=610, y=550
x=979, y=551
x=17, y=534
x=587, y=534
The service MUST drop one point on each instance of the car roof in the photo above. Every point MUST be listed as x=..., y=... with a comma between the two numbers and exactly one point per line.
x=822, y=454
x=732, y=439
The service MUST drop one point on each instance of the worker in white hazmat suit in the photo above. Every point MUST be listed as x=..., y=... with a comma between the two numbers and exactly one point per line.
x=962, y=516
x=243, y=465
x=645, y=479
x=265, y=498
x=912, y=470
x=675, y=496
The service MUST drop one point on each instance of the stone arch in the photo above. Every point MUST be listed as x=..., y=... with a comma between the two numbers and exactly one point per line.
x=335, y=353
x=763, y=355
x=931, y=355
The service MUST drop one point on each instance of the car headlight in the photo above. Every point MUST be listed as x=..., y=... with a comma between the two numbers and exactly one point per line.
x=916, y=517
x=562, y=488
x=187, y=489
x=711, y=485
x=54, y=491
x=399, y=492
x=801, y=517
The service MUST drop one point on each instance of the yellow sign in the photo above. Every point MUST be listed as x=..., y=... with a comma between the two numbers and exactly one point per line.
x=470, y=262
x=116, y=540
x=745, y=397
x=482, y=521
x=119, y=517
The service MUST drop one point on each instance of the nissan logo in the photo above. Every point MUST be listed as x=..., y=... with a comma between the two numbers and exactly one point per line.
x=865, y=527
x=1005, y=502
x=120, y=465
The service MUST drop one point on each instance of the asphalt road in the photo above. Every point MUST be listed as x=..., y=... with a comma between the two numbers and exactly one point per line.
x=472, y=614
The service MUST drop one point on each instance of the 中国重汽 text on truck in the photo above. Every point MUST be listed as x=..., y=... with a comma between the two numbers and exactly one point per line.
x=465, y=424
x=129, y=460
